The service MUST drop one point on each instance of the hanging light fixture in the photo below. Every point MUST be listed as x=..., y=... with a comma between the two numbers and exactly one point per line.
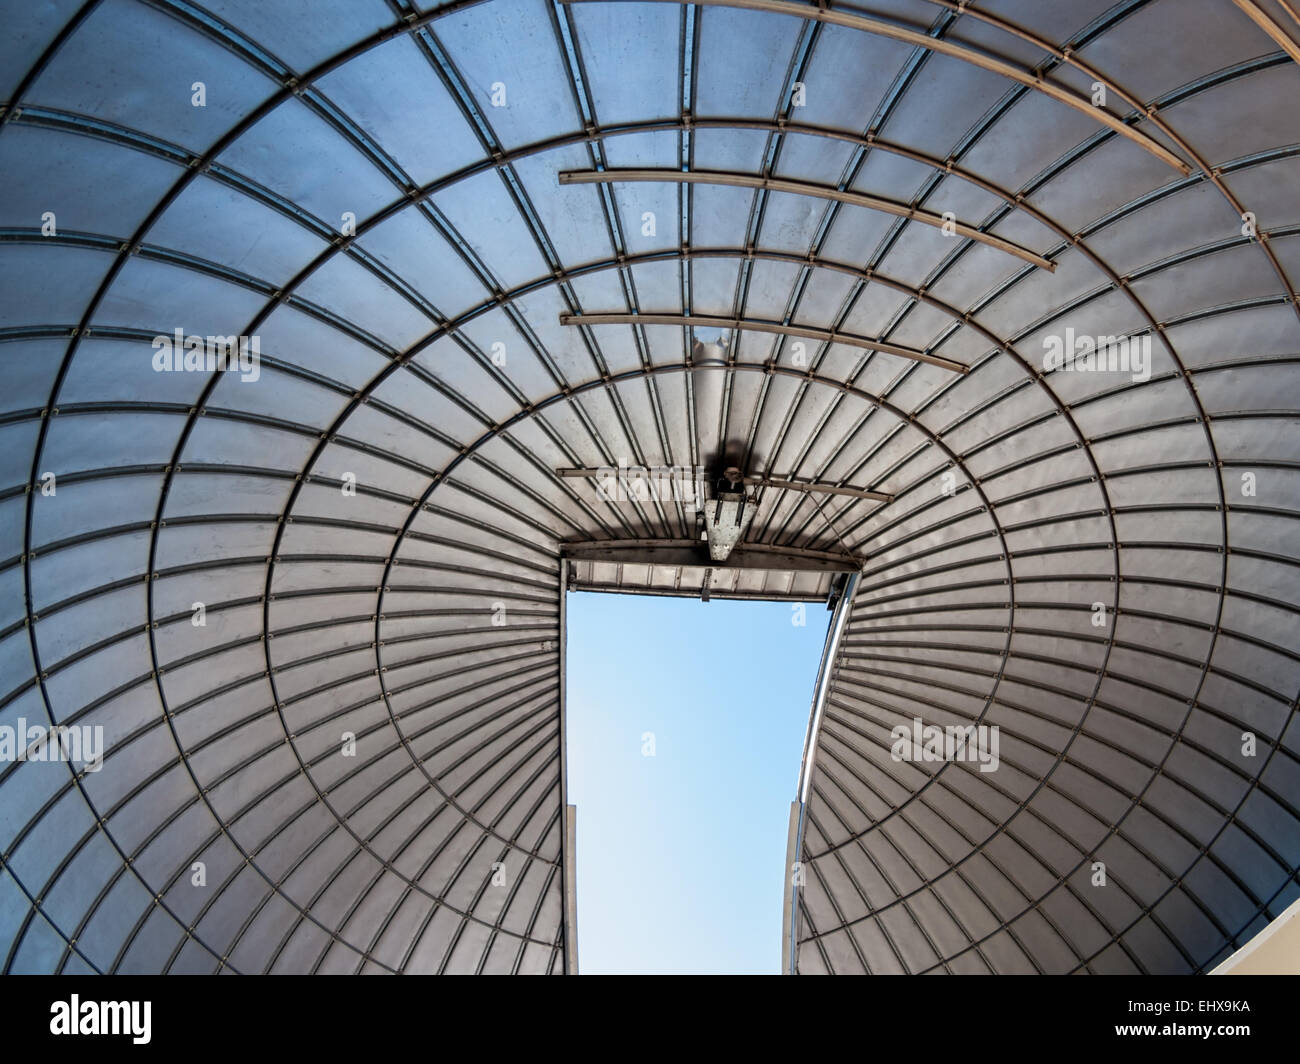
x=727, y=515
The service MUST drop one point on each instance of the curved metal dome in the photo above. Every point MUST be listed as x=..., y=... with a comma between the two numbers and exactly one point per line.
x=315, y=598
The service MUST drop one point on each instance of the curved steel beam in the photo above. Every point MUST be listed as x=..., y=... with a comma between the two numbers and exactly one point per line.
x=806, y=188
x=785, y=483
x=788, y=484
x=982, y=60
x=1261, y=18
x=828, y=336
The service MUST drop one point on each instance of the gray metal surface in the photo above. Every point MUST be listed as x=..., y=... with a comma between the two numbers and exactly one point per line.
x=372, y=189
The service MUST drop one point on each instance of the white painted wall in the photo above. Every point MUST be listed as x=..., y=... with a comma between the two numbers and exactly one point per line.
x=1274, y=951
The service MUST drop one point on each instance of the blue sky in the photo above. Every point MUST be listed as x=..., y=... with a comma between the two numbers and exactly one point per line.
x=680, y=854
